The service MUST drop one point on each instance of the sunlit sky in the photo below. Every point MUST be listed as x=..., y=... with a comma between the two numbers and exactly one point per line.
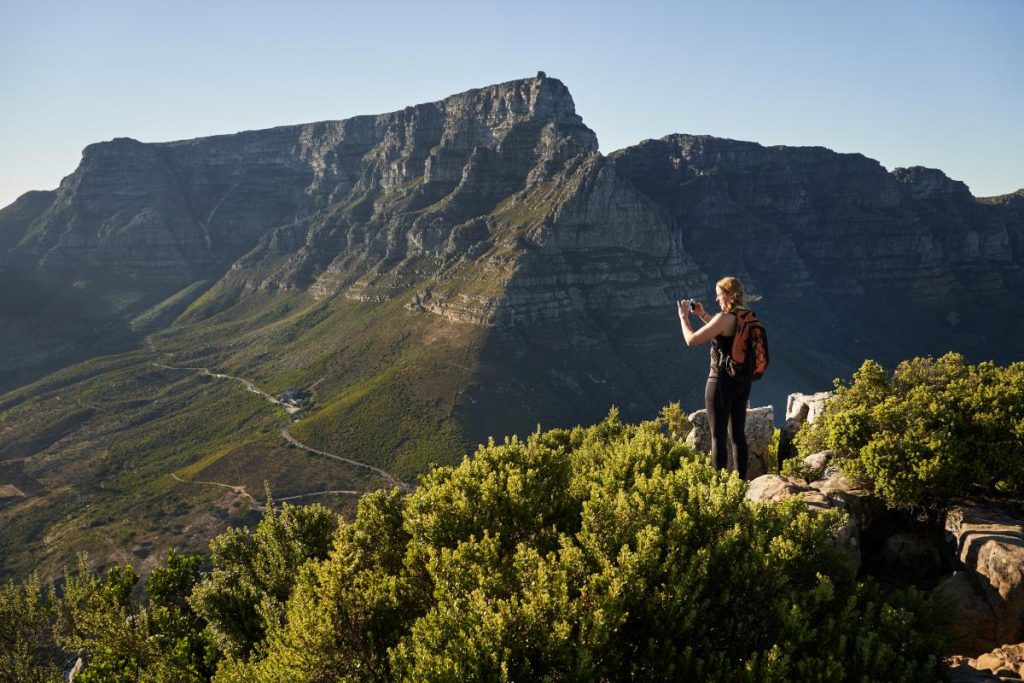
x=937, y=83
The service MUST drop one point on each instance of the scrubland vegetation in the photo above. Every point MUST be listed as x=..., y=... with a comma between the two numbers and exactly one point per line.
x=932, y=430
x=603, y=553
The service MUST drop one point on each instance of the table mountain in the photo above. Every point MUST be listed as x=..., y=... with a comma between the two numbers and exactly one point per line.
x=433, y=276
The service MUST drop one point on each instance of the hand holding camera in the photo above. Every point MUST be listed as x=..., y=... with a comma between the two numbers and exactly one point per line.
x=687, y=306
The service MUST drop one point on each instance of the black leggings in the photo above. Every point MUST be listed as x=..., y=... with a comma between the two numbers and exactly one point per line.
x=726, y=401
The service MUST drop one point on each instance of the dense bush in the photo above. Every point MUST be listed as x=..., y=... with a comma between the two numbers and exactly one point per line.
x=933, y=430
x=606, y=553
x=27, y=648
x=126, y=641
x=254, y=573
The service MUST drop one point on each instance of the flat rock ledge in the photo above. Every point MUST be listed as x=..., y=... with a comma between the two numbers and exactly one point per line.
x=988, y=594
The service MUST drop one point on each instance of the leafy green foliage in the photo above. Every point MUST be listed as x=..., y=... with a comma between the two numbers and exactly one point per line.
x=254, y=573
x=124, y=640
x=676, y=421
x=346, y=611
x=932, y=431
x=603, y=553
x=588, y=554
x=26, y=633
x=772, y=454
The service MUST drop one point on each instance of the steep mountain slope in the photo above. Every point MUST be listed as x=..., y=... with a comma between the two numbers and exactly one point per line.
x=431, y=277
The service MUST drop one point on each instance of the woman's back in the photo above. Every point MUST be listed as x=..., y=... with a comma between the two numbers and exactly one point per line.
x=722, y=344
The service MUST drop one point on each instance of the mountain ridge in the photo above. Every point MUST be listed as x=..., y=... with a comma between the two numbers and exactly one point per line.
x=429, y=278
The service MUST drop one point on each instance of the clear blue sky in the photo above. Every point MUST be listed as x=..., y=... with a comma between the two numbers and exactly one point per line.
x=937, y=83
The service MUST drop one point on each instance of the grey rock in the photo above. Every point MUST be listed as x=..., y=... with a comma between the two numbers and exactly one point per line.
x=759, y=431
x=800, y=409
x=806, y=407
x=833, y=480
x=818, y=461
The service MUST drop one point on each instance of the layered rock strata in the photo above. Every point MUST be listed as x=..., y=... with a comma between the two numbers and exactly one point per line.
x=989, y=593
x=494, y=207
x=507, y=179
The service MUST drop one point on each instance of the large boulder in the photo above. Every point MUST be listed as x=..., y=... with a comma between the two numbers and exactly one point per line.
x=773, y=488
x=760, y=429
x=800, y=409
x=988, y=595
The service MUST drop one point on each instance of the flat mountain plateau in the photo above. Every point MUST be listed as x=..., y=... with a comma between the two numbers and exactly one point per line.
x=426, y=279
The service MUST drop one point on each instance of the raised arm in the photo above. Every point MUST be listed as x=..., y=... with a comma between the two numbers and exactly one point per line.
x=712, y=327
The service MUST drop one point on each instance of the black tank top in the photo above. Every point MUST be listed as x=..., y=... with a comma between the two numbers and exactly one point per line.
x=720, y=346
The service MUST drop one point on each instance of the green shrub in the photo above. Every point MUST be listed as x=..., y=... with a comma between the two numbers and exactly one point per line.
x=934, y=430
x=123, y=640
x=27, y=647
x=254, y=573
x=608, y=553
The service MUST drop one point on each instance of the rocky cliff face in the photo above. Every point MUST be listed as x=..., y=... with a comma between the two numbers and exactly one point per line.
x=807, y=219
x=374, y=187
x=508, y=177
x=493, y=207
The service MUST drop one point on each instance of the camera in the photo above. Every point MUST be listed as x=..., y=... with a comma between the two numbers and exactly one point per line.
x=693, y=305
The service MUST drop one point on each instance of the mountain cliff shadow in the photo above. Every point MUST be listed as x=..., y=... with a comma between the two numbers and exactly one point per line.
x=570, y=370
x=45, y=326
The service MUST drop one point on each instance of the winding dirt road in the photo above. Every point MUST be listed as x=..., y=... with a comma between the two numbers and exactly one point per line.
x=240, y=490
x=249, y=386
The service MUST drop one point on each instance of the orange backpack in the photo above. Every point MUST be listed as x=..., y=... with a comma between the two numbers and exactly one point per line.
x=748, y=358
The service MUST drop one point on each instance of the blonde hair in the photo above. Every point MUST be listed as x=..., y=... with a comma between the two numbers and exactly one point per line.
x=733, y=289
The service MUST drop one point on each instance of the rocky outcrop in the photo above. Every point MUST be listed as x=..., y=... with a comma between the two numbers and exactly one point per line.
x=510, y=172
x=802, y=218
x=760, y=429
x=385, y=187
x=1001, y=664
x=989, y=593
x=800, y=409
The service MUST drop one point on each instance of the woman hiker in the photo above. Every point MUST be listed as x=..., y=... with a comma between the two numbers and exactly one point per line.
x=724, y=397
